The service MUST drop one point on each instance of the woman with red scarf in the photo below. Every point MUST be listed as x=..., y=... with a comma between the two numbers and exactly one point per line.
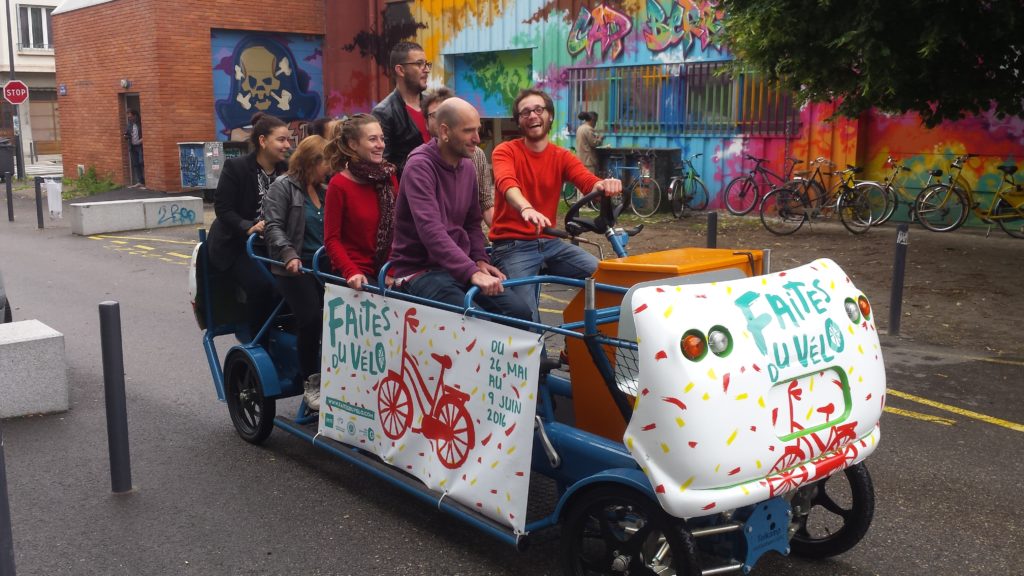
x=360, y=205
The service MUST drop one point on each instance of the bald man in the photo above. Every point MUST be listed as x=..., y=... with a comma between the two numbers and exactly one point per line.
x=438, y=251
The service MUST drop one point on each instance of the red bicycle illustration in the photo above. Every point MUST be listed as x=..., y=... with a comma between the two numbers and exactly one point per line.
x=446, y=421
x=811, y=444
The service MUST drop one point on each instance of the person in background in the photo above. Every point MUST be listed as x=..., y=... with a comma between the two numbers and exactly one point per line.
x=528, y=177
x=133, y=133
x=438, y=252
x=432, y=100
x=587, y=140
x=359, y=221
x=294, y=211
x=400, y=112
x=243, y=183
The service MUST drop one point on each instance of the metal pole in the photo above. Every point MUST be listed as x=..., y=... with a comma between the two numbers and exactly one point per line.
x=6, y=535
x=712, y=229
x=10, y=197
x=15, y=124
x=898, y=269
x=117, y=409
x=39, y=202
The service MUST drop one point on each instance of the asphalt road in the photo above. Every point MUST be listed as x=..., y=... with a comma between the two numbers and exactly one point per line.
x=946, y=474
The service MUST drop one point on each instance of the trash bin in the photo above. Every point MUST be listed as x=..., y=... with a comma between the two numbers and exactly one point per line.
x=6, y=157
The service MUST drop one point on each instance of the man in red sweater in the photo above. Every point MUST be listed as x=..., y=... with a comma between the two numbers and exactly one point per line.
x=528, y=176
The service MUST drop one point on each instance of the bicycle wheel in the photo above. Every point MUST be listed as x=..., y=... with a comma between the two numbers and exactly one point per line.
x=941, y=208
x=741, y=195
x=876, y=200
x=568, y=194
x=645, y=197
x=812, y=190
x=1010, y=219
x=675, y=197
x=783, y=211
x=696, y=197
x=890, y=205
x=855, y=209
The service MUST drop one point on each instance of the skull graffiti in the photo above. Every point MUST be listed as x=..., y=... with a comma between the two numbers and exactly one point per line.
x=258, y=72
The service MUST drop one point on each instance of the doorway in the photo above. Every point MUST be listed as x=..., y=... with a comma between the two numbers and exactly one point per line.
x=128, y=102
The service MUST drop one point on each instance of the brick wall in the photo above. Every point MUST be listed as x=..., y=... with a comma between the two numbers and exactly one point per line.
x=164, y=49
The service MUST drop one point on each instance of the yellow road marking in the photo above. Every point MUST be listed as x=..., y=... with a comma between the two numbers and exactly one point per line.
x=920, y=416
x=544, y=296
x=136, y=238
x=955, y=410
x=185, y=256
x=550, y=311
x=995, y=360
x=141, y=247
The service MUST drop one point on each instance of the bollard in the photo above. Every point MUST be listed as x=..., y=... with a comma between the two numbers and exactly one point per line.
x=712, y=229
x=10, y=197
x=39, y=202
x=113, y=385
x=898, y=269
x=6, y=536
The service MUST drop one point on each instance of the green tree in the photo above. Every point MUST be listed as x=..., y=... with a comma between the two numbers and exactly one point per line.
x=943, y=59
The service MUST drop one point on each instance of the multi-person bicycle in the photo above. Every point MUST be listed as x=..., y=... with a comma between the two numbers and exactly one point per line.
x=716, y=410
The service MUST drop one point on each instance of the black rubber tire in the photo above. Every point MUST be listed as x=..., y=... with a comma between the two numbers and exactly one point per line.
x=645, y=197
x=676, y=199
x=741, y=195
x=1014, y=225
x=891, y=202
x=611, y=522
x=696, y=197
x=939, y=213
x=855, y=210
x=856, y=518
x=251, y=413
x=783, y=211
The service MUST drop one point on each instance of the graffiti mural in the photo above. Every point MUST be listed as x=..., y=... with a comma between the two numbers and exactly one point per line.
x=491, y=80
x=603, y=27
x=683, y=20
x=281, y=75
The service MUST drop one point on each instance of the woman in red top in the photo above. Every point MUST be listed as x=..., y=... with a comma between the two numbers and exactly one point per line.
x=360, y=206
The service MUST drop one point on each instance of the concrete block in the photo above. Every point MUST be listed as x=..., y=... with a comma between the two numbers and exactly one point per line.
x=33, y=369
x=89, y=218
x=177, y=211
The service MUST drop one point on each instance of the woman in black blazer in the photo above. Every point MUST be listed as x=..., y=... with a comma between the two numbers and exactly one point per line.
x=237, y=202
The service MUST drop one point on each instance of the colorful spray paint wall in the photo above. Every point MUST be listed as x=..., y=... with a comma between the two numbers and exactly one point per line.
x=653, y=70
x=280, y=74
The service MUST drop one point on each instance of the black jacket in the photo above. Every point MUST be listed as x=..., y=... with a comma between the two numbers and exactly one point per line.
x=400, y=132
x=236, y=203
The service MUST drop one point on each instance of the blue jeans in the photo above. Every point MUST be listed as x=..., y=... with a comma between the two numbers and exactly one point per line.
x=439, y=285
x=522, y=258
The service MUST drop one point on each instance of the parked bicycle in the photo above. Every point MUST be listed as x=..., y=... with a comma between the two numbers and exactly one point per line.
x=945, y=206
x=896, y=192
x=743, y=193
x=686, y=191
x=784, y=210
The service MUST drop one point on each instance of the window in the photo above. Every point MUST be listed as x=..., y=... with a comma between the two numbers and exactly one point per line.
x=678, y=99
x=34, y=22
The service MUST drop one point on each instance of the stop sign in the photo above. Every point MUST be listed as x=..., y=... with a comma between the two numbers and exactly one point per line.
x=15, y=92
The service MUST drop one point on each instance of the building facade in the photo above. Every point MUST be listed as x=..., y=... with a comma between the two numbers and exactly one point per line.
x=195, y=70
x=33, y=49
x=652, y=70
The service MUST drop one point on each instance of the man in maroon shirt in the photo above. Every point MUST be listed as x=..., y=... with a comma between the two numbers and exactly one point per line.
x=400, y=114
x=438, y=251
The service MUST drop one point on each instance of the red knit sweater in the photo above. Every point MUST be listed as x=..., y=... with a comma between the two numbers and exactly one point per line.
x=351, y=214
x=539, y=176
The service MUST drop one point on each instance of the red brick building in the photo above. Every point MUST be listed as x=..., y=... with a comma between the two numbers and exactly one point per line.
x=171, y=60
